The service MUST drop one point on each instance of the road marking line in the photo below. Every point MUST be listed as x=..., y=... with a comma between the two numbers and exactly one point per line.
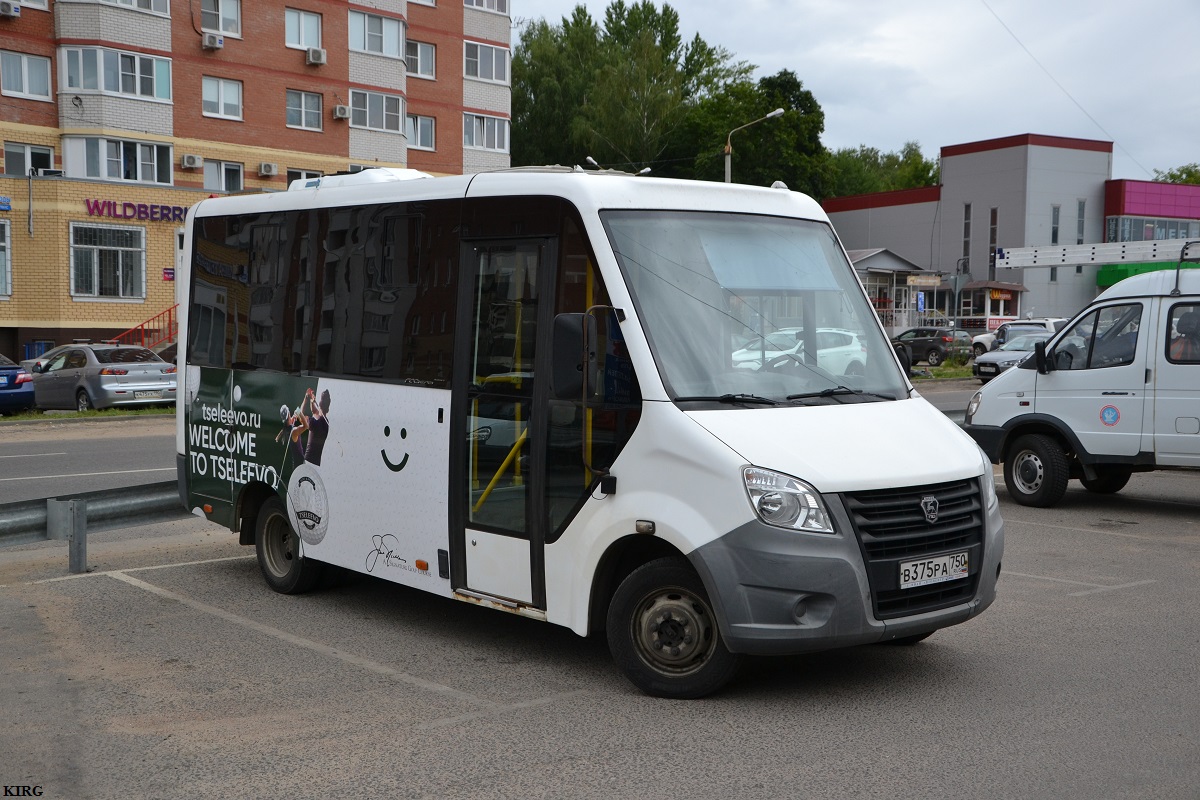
x=299, y=641
x=33, y=455
x=538, y=702
x=1095, y=588
x=1186, y=539
x=142, y=569
x=87, y=474
x=1110, y=588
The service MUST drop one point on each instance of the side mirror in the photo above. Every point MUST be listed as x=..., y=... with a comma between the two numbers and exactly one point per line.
x=572, y=333
x=36, y=369
x=1044, y=365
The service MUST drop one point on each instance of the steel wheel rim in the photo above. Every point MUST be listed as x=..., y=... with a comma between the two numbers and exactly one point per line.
x=280, y=546
x=1029, y=472
x=674, y=632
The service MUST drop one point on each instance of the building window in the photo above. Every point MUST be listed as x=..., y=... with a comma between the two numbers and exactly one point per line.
x=221, y=16
x=222, y=176
x=303, y=110
x=24, y=76
x=34, y=4
x=485, y=62
x=118, y=73
x=966, y=248
x=380, y=112
x=1054, y=274
x=303, y=28
x=222, y=98
x=1054, y=217
x=499, y=6
x=5, y=261
x=108, y=261
x=993, y=232
x=301, y=175
x=419, y=57
x=372, y=33
x=22, y=159
x=1079, y=223
x=123, y=160
x=485, y=133
x=157, y=6
x=420, y=132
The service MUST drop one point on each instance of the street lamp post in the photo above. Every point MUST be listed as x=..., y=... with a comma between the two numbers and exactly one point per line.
x=729, y=145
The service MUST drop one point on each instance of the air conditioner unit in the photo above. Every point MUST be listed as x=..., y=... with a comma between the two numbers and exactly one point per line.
x=45, y=172
x=341, y=112
x=190, y=161
x=9, y=9
x=213, y=41
x=267, y=168
x=315, y=55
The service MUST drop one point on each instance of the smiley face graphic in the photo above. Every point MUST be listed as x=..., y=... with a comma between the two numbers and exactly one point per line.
x=387, y=431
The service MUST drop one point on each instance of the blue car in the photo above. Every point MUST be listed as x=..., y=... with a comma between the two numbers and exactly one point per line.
x=16, y=388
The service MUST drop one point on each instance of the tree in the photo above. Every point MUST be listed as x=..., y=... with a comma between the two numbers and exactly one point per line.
x=865, y=170
x=1188, y=173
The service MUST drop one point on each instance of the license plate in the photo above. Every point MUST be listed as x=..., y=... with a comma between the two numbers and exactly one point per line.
x=3, y=380
x=933, y=570
x=147, y=395
x=986, y=368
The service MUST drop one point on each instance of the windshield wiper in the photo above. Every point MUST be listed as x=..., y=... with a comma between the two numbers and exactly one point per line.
x=836, y=391
x=732, y=398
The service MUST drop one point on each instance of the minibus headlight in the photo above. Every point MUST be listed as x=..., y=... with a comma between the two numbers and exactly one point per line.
x=989, y=482
x=785, y=502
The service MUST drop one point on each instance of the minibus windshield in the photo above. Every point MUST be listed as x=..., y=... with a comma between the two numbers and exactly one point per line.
x=738, y=305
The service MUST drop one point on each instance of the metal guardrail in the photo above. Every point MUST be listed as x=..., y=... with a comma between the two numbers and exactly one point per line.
x=68, y=516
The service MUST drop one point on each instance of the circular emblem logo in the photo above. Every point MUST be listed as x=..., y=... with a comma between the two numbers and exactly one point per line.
x=308, y=505
x=1110, y=415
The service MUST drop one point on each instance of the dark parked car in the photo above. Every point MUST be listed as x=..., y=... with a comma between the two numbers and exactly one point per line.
x=87, y=376
x=934, y=345
x=16, y=387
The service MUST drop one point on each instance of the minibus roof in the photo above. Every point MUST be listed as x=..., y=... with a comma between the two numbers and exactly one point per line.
x=1158, y=283
x=586, y=189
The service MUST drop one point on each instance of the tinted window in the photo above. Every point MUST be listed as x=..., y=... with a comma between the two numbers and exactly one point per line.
x=125, y=355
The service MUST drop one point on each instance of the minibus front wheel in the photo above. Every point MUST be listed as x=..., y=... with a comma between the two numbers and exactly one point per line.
x=663, y=634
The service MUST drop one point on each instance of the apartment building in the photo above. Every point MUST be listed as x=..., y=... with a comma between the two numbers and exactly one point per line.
x=120, y=114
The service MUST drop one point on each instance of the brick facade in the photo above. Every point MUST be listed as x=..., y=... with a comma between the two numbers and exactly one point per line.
x=84, y=126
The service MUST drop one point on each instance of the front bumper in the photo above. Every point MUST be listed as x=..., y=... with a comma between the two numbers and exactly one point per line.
x=779, y=592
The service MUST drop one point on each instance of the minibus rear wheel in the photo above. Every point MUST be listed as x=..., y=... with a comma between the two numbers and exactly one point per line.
x=663, y=634
x=283, y=566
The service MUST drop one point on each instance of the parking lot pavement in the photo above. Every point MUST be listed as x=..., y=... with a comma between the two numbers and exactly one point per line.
x=173, y=671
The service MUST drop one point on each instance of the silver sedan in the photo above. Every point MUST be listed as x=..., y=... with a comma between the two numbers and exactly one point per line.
x=103, y=376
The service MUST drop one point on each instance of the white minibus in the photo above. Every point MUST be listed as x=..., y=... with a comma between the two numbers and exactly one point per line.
x=518, y=389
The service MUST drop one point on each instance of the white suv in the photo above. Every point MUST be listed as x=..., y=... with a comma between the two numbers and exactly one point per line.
x=986, y=342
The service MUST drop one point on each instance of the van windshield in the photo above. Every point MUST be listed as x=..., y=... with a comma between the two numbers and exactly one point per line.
x=738, y=305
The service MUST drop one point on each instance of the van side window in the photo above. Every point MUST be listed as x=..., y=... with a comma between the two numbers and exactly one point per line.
x=1105, y=338
x=1183, y=340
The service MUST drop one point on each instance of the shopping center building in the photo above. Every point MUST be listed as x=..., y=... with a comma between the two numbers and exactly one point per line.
x=118, y=115
x=1002, y=195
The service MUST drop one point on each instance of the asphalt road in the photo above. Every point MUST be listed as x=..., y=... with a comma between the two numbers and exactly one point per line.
x=171, y=671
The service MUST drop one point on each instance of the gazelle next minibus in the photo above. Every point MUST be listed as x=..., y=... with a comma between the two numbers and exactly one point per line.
x=662, y=410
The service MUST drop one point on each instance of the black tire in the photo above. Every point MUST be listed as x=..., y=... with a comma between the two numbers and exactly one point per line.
x=663, y=635
x=907, y=641
x=978, y=349
x=1109, y=480
x=1036, y=471
x=934, y=357
x=278, y=548
x=82, y=401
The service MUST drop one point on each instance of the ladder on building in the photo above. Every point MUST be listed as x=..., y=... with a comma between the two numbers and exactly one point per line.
x=1073, y=254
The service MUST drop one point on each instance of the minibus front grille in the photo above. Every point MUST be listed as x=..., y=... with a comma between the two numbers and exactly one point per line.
x=894, y=526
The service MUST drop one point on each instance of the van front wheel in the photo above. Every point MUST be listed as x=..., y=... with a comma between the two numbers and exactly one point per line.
x=662, y=632
x=1036, y=471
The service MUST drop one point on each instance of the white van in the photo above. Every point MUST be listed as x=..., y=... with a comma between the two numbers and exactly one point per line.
x=1116, y=391
x=519, y=390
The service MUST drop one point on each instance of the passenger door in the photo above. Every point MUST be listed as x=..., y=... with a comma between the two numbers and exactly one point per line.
x=55, y=386
x=1177, y=386
x=500, y=486
x=1098, y=387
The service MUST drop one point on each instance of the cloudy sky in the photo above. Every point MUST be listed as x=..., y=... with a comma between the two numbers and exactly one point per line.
x=944, y=72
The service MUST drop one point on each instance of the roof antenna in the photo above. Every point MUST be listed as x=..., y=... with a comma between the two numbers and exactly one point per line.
x=644, y=171
x=592, y=161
